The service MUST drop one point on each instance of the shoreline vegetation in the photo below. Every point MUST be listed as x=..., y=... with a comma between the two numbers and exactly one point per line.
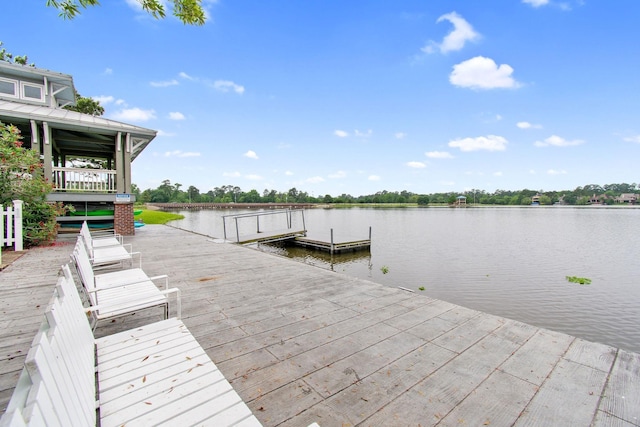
x=163, y=207
x=153, y=216
x=592, y=194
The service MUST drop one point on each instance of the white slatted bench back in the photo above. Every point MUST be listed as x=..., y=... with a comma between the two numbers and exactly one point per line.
x=87, y=239
x=59, y=376
x=85, y=270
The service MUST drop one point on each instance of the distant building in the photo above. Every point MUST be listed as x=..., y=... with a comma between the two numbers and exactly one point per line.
x=628, y=198
x=461, y=201
x=596, y=200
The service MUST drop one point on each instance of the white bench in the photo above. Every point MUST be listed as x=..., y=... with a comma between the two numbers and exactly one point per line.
x=100, y=239
x=122, y=292
x=152, y=375
x=106, y=256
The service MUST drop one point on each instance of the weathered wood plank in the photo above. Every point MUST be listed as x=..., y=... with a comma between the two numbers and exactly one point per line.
x=622, y=395
x=570, y=396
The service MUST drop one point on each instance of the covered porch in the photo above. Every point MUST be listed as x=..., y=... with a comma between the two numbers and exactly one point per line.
x=87, y=158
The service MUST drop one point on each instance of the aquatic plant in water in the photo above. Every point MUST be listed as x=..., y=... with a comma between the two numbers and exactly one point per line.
x=384, y=269
x=581, y=280
x=421, y=288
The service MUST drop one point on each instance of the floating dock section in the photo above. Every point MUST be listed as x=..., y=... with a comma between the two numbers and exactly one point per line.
x=292, y=234
x=332, y=246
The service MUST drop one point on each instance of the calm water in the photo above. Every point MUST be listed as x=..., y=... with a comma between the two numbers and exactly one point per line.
x=511, y=262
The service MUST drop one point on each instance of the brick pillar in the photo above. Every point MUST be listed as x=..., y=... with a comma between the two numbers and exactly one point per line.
x=123, y=219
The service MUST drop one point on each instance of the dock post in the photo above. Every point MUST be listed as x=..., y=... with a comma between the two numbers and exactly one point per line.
x=224, y=227
x=332, y=241
x=237, y=232
x=369, y=234
x=304, y=227
x=258, y=224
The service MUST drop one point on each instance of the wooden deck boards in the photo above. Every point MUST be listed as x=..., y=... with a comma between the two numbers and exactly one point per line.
x=301, y=344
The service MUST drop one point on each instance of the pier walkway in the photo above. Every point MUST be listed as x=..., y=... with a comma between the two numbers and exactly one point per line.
x=301, y=344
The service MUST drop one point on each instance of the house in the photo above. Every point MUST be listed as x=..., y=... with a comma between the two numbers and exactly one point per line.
x=535, y=200
x=596, y=200
x=33, y=99
x=628, y=198
x=461, y=201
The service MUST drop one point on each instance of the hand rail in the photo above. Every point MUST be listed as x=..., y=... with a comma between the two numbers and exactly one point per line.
x=84, y=180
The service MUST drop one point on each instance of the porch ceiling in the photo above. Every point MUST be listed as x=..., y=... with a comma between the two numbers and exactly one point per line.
x=76, y=133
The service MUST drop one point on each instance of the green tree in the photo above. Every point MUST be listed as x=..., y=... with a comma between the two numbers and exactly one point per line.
x=9, y=57
x=21, y=178
x=423, y=200
x=188, y=11
x=86, y=105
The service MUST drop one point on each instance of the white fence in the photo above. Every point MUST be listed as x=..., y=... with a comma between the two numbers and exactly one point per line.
x=11, y=225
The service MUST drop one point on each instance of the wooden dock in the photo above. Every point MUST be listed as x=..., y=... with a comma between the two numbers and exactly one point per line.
x=302, y=344
x=332, y=247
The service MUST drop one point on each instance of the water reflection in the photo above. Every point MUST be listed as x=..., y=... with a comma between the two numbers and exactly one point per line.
x=333, y=262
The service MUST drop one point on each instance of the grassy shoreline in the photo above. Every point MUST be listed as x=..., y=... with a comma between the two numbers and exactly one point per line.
x=157, y=217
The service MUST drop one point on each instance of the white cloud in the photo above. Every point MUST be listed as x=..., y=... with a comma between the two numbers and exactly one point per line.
x=416, y=165
x=340, y=133
x=338, y=174
x=366, y=134
x=400, y=135
x=135, y=5
x=288, y=173
x=103, y=99
x=315, y=180
x=482, y=73
x=107, y=71
x=373, y=178
x=498, y=173
x=251, y=154
x=186, y=76
x=254, y=177
x=635, y=139
x=178, y=153
x=175, y=115
x=527, y=125
x=556, y=172
x=462, y=32
x=120, y=102
x=164, y=133
x=134, y=115
x=165, y=83
x=438, y=155
x=556, y=141
x=227, y=85
x=231, y=174
x=536, y=3
x=488, y=143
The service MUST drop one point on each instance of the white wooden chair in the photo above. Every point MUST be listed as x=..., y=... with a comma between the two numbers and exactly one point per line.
x=106, y=255
x=157, y=374
x=100, y=239
x=122, y=292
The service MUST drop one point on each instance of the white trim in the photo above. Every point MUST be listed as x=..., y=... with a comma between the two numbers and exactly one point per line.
x=24, y=85
x=16, y=85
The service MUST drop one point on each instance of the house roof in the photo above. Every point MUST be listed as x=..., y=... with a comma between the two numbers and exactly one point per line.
x=63, y=83
x=75, y=129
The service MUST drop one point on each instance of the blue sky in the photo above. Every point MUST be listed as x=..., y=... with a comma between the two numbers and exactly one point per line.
x=357, y=96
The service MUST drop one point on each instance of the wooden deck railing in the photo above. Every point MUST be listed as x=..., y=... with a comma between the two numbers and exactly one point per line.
x=84, y=180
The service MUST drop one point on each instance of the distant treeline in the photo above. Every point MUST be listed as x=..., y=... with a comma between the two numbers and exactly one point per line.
x=168, y=193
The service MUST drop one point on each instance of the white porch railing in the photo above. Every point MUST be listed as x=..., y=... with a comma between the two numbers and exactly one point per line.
x=84, y=180
x=11, y=226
